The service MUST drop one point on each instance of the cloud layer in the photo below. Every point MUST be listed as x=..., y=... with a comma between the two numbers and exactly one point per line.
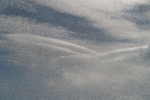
x=106, y=15
x=42, y=68
x=74, y=50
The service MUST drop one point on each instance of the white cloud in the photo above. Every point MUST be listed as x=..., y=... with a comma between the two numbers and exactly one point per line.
x=43, y=68
x=105, y=15
x=22, y=25
x=54, y=69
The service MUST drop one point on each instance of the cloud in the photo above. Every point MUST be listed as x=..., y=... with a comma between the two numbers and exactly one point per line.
x=95, y=20
x=79, y=27
x=74, y=50
x=52, y=69
x=22, y=25
x=106, y=15
x=140, y=15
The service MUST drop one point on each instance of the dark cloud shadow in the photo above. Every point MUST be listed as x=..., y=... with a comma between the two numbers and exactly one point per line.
x=8, y=70
x=141, y=9
x=5, y=52
x=139, y=16
x=44, y=14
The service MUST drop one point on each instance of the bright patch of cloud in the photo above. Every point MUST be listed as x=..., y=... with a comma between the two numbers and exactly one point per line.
x=40, y=58
x=60, y=68
x=105, y=14
x=23, y=25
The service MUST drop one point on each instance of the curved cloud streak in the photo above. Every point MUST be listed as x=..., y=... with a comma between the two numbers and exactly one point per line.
x=74, y=50
x=106, y=15
x=52, y=69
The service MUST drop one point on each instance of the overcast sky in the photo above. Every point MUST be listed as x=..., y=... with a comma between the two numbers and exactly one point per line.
x=74, y=49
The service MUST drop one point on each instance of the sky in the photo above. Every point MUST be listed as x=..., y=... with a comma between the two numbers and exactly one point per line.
x=74, y=49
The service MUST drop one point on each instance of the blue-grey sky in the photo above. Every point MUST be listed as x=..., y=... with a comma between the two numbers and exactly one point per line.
x=74, y=50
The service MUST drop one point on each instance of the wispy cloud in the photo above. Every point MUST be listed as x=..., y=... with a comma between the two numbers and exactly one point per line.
x=106, y=15
x=43, y=65
x=74, y=50
x=100, y=20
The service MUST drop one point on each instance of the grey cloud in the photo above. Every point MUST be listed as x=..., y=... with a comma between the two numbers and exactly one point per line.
x=39, y=69
x=139, y=15
x=42, y=68
x=23, y=76
x=141, y=9
x=82, y=28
